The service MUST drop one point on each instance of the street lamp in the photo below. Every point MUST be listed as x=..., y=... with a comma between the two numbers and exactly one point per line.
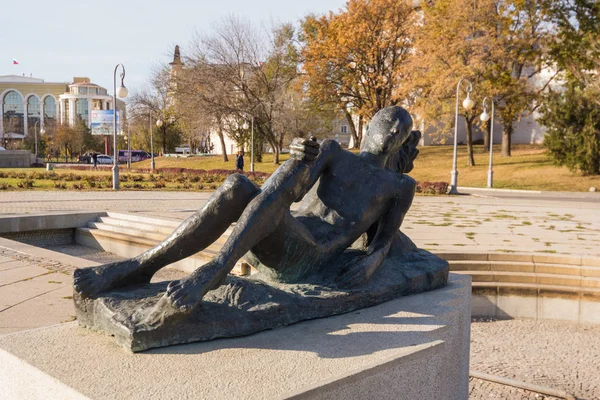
x=245, y=126
x=121, y=92
x=42, y=131
x=128, y=142
x=468, y=104
x=152, y=165
x=485, y=117
x=159, y=124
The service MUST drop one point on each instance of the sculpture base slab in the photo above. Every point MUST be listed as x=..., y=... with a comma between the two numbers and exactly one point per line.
x=140, y=318
x=416, y=347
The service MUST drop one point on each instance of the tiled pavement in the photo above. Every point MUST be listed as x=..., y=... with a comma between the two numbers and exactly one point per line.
x=457, y=223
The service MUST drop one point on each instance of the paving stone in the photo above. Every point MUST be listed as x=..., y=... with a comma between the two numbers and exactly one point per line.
x=21, y=291
x=535, y=352
x=9, y=276
x=12, y=264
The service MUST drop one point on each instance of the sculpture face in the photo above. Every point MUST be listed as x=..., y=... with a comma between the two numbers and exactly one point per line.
x=386, y=132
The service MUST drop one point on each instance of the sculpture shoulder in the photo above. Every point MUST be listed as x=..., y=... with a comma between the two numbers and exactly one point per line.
x=329, y=146
x=404, y=185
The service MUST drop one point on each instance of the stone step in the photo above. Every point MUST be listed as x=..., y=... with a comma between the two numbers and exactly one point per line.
x=143, y=219
x=536, y=258
x=544, y=268
x=155, y=231
x=142, y=226
x=208, y=253
x=130, y=246
x=127, y=231
x=523, y=288
x=524, y=277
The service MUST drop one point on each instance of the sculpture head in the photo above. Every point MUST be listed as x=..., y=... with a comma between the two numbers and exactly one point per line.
x=387, y=131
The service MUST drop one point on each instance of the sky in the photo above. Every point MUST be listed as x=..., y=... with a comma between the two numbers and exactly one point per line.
x=56, y=40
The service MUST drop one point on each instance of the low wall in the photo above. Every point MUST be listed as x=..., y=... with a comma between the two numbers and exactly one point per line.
x=16, y=158
x=11, y=224
x=539, y=286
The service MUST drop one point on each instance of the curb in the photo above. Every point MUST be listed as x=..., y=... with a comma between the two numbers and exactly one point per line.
x=459, y=188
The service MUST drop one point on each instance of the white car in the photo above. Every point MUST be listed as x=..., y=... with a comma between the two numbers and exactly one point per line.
x=2, y=148
x=104, y=159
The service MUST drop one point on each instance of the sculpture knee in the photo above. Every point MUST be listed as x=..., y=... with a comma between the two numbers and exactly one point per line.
x=240, y=186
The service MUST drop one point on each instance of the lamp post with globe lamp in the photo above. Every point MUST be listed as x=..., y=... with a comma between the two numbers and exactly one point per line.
x=468, y=104
x=152, y=164
x=159, y=124
x=485, y=117
x=121, y=92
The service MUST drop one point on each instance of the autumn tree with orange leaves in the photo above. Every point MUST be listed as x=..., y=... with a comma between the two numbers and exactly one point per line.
x=500, y=45
x=355, y=59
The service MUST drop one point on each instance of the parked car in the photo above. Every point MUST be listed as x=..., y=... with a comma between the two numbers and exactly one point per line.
x=2, y=148
x=86, y=158
x=136, y=155
x=104, y=159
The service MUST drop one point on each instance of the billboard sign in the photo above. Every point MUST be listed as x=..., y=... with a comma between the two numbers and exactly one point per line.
x=102, y=122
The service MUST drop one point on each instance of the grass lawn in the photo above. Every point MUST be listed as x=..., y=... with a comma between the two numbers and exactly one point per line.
x=213, y=162
x=529, y=168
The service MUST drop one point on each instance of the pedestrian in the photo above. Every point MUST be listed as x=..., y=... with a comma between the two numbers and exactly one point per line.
x=239, y=161
x=95, y=159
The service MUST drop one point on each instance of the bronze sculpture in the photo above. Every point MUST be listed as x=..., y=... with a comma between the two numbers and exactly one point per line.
x=346, y=227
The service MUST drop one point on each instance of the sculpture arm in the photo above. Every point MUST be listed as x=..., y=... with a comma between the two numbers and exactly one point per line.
x=317, y=165
x=364, y=267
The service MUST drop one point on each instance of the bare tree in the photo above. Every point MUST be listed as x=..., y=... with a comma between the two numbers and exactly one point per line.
x=157, y=100
x=236, y=73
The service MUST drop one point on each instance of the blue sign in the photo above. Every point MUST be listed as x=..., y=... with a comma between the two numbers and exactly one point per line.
x=102, y=122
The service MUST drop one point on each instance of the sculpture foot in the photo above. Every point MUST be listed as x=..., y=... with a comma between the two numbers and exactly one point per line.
x=186, y=294
x=89, y=282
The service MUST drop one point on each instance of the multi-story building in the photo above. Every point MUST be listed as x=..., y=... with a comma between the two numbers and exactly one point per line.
x=28, y=104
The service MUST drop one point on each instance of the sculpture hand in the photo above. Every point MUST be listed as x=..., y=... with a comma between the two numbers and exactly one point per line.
x=305, y=150
x=359, y=271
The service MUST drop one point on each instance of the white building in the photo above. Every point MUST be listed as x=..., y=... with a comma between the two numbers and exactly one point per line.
x=28, y=104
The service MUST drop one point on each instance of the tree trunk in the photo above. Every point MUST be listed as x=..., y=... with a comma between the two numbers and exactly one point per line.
x=164, y=140
x=487, y=137
x=258, y=146
x=507, y=131
x=280, y=142
x=469, y=138
x=276, y=154
x=355, y=139
x=359, y=134
x=222, y=140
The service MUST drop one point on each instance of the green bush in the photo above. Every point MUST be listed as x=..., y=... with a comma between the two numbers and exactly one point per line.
x=573, y=136
x=25, y=183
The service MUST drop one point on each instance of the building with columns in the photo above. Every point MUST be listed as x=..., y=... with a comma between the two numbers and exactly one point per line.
x=29, y=104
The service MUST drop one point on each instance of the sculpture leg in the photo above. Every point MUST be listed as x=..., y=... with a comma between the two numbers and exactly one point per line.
x=261, y=218
x=193, y=235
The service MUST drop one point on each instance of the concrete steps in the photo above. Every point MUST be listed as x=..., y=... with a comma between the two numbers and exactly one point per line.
x=129, y=235
x=531, y=285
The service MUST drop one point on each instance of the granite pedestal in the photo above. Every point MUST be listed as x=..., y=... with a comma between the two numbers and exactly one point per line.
x=413, y=347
